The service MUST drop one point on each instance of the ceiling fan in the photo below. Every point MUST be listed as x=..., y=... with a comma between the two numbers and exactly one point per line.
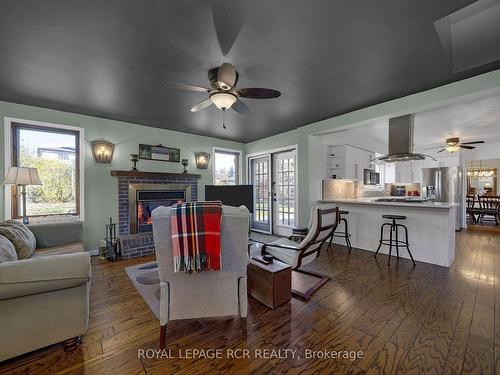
x=223, y=93
x=453, y=145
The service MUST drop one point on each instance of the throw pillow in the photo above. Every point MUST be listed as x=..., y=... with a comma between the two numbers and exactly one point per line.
x=22, y=238
x=7, y=250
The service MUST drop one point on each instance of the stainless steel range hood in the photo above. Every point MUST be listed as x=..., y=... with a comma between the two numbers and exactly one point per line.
x=401, y=146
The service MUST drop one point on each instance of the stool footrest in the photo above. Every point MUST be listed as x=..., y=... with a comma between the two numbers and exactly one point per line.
x=341, y=234
x=394, y=242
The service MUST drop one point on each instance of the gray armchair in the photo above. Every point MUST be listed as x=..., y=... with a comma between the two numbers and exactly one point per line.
x=206, y=294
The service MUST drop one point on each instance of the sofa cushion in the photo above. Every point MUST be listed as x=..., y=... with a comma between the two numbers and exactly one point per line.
x=22, y=238
x=56, y=234
x=7, y=250
x=70, y=248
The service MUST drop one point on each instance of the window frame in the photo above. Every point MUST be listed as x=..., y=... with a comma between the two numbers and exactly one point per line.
x=11, y=131
x=228, y=151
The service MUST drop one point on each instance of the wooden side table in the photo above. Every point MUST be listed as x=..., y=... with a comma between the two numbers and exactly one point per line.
x=270, y=284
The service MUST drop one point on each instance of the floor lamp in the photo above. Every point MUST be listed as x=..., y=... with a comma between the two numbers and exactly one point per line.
x=22, y=176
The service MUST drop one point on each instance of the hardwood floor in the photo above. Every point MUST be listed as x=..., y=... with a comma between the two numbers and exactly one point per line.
x=423, y=320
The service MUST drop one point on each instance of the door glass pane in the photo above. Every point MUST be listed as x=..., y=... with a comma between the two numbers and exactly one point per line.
x=260, y=179
x=286, y=191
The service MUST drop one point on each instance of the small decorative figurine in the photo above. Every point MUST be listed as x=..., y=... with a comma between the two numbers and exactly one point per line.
x=185, y=163
x=134, y=158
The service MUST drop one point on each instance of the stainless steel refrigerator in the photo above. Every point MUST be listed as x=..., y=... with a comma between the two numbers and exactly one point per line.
x=444, y=184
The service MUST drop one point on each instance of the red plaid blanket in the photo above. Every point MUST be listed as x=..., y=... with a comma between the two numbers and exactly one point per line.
x=196, y=236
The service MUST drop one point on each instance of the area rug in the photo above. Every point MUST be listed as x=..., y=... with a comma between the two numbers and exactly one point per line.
x=147, y=282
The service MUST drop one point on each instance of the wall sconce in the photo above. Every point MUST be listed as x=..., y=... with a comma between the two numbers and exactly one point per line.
x=102, y=151
x=202, y=159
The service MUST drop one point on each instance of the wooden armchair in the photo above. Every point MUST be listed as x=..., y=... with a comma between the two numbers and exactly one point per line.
x=489, y=206
x=472, y=209
x=297, y=255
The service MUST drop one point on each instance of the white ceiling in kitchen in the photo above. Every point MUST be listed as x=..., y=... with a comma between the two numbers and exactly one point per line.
x=474, y=120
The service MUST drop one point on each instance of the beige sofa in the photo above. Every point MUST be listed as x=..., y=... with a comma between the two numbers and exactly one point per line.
x=45, y=299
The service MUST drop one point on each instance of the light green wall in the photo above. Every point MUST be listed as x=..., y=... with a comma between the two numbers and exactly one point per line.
x=489, y=82
x=101, y=189
x=100, y=186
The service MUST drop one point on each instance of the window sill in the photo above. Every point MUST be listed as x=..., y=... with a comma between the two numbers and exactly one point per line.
x=51, y=219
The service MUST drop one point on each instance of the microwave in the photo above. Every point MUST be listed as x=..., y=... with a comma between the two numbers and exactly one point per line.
x=370, y=177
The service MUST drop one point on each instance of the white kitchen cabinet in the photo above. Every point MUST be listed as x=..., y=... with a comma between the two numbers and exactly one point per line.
x=347, y=162
x=417, y=166
x=389, y=173
x=404, y=172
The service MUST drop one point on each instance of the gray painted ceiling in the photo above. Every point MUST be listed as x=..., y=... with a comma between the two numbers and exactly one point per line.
x=108, y=58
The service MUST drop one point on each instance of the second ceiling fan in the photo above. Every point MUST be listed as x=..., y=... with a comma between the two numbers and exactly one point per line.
x=453, y=145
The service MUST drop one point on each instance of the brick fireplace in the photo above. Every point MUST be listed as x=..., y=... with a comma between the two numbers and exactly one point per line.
x=139, y=193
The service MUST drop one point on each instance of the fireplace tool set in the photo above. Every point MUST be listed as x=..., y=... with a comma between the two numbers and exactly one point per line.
x=113, y=248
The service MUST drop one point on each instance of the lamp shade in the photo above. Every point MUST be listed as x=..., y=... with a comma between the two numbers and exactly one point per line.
x=223, y=100
x=202, y=159
x=22, y=176
x=102, y=151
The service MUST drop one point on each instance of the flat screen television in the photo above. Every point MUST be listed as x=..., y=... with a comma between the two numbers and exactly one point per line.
x=231, y=195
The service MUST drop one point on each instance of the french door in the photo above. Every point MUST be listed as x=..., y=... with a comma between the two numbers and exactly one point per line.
x=284, y=192
x=260, y=178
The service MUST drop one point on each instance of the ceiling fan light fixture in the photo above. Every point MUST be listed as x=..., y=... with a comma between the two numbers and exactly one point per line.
x=452, y=149
x=223, y=100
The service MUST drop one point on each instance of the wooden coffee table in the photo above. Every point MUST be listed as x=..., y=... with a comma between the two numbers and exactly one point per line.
x=270, y=284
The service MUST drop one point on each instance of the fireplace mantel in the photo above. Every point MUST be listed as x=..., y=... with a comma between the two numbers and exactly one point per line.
x=150, y=174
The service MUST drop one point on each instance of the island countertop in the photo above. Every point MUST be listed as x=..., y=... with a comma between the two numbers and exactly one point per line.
x=431, y=227
x=398, y=202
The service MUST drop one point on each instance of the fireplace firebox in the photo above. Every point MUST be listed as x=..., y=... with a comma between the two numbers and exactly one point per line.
x=144, y=198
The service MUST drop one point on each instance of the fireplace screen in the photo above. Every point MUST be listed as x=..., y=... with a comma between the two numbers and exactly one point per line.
x=144, y=200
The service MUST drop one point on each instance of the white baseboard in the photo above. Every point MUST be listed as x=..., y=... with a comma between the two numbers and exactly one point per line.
x=94, y=252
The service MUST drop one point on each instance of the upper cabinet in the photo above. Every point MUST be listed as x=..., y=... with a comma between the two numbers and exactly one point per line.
x=348, y=162
x=399, y=172
x=407, y=172
x=404, y=172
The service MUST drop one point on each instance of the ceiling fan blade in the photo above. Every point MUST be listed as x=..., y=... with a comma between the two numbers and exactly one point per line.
x=258, y=93
x=204, y=104
x=472, y=143
x=183, y=86
x=466, y=147
x=226, y=76
x=443, y=149
x=228, y=21
x=240, y=107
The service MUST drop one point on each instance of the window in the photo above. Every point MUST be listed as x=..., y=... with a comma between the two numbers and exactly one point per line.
x=55, y=153
x=226, y=167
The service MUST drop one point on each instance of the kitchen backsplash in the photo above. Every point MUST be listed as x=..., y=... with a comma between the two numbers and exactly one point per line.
x=335, y=189
x=340, y=188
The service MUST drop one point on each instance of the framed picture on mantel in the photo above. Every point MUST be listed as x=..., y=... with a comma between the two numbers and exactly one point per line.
x=161, y=153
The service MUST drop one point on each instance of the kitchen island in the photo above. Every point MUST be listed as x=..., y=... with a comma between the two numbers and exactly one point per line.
x=431, y=227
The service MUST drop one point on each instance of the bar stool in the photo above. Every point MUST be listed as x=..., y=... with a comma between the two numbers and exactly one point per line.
x=390, y=242
x=344, y=234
